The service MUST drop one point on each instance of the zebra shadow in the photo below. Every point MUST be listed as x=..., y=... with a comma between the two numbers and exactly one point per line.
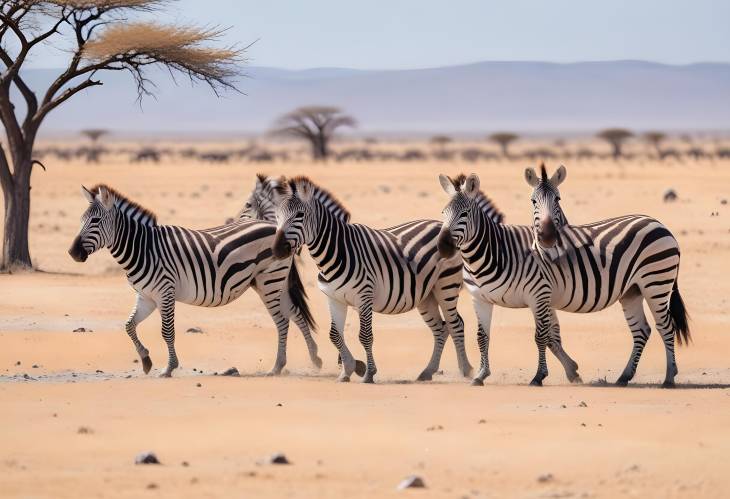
x=677, y=386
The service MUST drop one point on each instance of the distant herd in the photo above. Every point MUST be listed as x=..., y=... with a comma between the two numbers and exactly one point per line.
x=547, y=266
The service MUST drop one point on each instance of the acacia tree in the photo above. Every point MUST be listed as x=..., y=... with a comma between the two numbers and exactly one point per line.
x=655, y=139
x=504, y=139
x=616, y=137
x=94, y=134
x=102, y=38
x=316, y=125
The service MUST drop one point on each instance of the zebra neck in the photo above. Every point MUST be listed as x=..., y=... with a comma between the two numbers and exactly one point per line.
x=482, y=249
x=133, y=239
x=329, y=241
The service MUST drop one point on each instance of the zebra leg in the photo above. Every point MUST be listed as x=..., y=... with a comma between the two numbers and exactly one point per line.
x=484, y=315
x=455, y=326
x=429, y=310
x=633, y=306
x=660, y=310
x=167, y=313
x=556, y=347
x=366, y=339
x=542, y=339
x=143, y=308
x=311, y=344
x=338, y=311
x=272, y=295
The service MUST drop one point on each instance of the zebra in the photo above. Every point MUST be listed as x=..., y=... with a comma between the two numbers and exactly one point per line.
x=166, y=264
x=388, y=271
x=629, y=259
x=590, y=267
x=499, y=269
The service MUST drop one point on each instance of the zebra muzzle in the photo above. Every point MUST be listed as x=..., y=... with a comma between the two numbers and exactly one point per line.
x=446, y=245
x=282, y=248
x=547, y=234
x=77, y=251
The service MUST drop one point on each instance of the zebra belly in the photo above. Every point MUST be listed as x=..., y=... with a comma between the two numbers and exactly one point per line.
x=508, y=298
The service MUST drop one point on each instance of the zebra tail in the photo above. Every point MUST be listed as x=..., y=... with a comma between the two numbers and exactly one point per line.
x=680, y=319
x=298, y=295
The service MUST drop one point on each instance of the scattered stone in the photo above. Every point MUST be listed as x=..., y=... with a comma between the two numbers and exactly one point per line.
x=582, y=404
x=547, y=477
x=723, y=201
x=231, y=372
x=17, y=363
x=35, y=366
x=146, y=458
x=136, y=361
x=194, y=480
x=583, y=424
x=412, y=482
x=99, y=371
x=194, y=330
x=185, y=464
x=55, y=415
x=437, y=427
x=564, y=406
x=278, y=458
x=128, y=376
x=84, y=430
x=82, y=330
x=152, y=486
x=198, y=385
x=670, y=195
x=482, y=421
x=279, y=405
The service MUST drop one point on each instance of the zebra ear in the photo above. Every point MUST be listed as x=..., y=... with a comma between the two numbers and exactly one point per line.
x=471, y=185
x=87, y=194
x=447, y=185
x=531, y=177
x=105, y=198
x=559, y=176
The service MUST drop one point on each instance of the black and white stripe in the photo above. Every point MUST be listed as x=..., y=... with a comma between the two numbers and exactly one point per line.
x=167, y=264
x=389, y=271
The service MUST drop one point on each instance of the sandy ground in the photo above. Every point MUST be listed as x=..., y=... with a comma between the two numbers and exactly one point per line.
x=352, y=440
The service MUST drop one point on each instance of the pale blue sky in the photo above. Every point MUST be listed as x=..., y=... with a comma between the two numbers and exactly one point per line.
x=394, y=34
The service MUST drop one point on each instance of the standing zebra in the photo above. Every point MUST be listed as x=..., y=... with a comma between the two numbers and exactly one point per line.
x=499, y=269
x=630, y=259
x=209, y=268
x=389, y=271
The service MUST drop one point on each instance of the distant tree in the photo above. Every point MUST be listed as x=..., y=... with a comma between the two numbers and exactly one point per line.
x=504, y=139
x=97, y=35
x=94, y=134
x=441, y=140
x=616, y=137
x=655, y=140
x=316, y=125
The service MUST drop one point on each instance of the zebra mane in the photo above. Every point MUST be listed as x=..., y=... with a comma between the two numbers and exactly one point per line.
x=482, y=200
x=127, y=205
x=543, y=173
x=303, y=188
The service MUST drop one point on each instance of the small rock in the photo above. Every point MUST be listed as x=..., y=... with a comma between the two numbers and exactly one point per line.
x=583, y=424
x=198, y=385
x=17, y=363
x=547, y=477
x=564, y=406
x=185, y=464
x=99, y=371
x=279, y=405
x=82, y=330
x=231, y=372
x=723, y=201
x=582, y=404
x=437, y=427
x=146, y=458
x=670, y=195
x=84, y=430
x=136, y=361
x=152, y=486
x=278, y=458
x=35, y=366
x=412, y=482
x=482, y=421
x=194, y=330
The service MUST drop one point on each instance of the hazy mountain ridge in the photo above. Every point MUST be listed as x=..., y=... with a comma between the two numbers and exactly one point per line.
x=521, y=96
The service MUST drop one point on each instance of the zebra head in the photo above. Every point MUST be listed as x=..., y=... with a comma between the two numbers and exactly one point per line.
x=293, y=200
x=260, y=204
x=547, y=216
x=97, y=224
x=458, y=223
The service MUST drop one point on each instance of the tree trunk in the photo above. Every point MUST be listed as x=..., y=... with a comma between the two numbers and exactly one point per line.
x=16, y=254
x=505, y=149
x=323, y=150
x=616, y=150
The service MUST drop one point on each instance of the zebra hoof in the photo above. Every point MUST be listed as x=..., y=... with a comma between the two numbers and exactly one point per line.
x=360, y=368
x=425, y=376
x=477, y=382
x=467, y=371
x=317, y=363
x=343, y=378
x=622, y=381
x=368, y=380
x=576, y=380
x=166, y=374
x=146, y=364
x=536, y=382
x=668, y=384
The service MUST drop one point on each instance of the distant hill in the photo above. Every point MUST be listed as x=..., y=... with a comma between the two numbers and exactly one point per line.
x=482, y=97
